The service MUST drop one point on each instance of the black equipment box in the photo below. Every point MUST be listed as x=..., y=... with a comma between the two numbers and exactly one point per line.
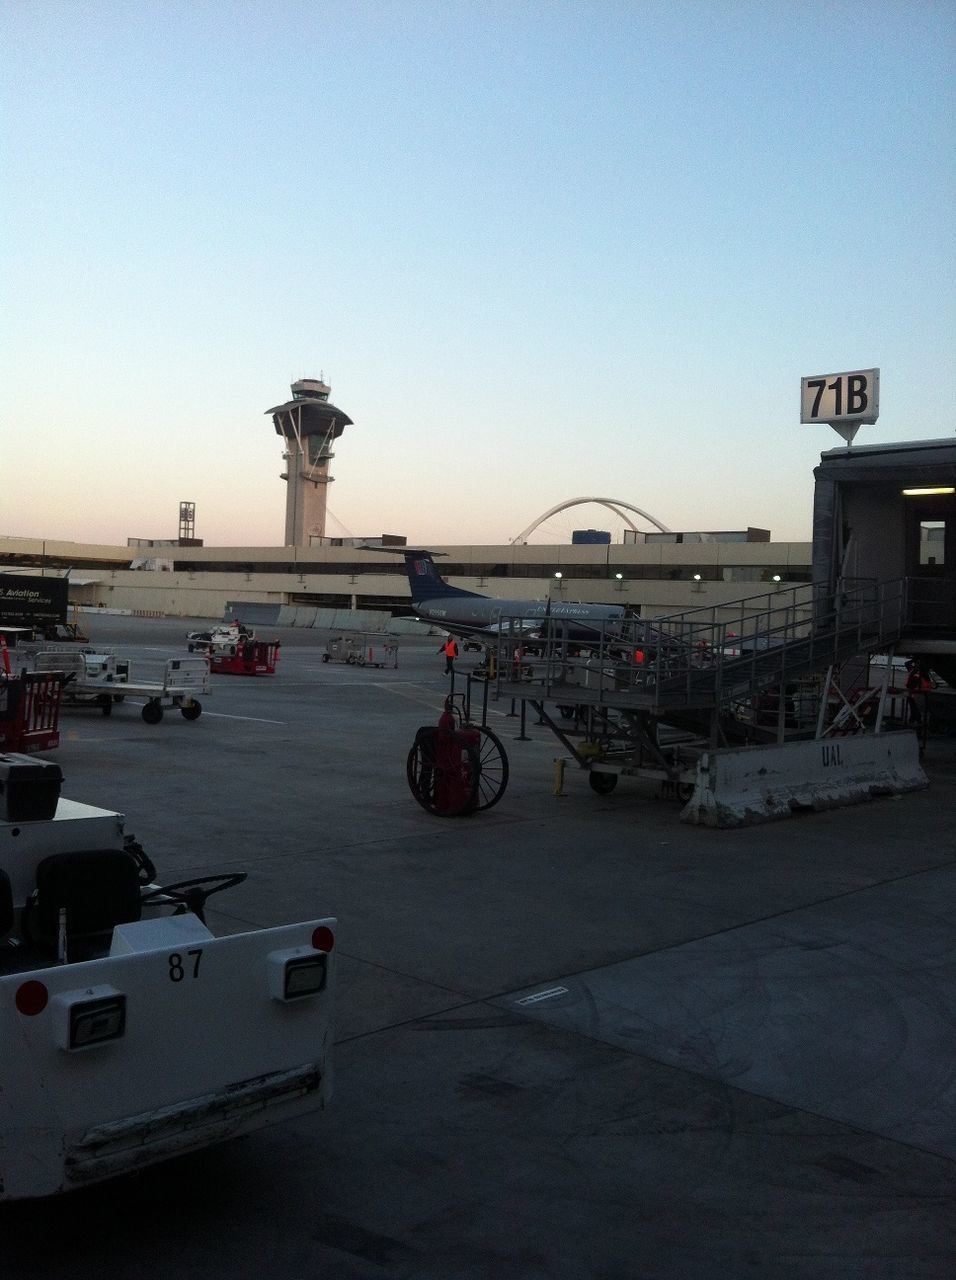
x=29, y=788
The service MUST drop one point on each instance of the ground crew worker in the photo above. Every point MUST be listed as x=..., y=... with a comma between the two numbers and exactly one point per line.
x=516, y=659
x=917, y=681
x=450, y=649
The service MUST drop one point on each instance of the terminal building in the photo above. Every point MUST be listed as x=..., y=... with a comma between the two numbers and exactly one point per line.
x=651, y=575
x=882, y=513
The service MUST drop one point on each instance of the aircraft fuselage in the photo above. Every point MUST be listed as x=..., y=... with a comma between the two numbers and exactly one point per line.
x=478, y=613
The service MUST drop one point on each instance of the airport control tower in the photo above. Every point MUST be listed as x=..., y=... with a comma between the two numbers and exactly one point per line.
x=308, y=424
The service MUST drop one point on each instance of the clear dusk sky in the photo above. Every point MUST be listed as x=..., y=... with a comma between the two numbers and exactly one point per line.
x=540, y=250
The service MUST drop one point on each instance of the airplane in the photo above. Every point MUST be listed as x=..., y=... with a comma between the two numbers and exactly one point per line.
x=470, y=614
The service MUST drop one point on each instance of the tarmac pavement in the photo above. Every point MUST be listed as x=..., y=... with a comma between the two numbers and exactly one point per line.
x=576, y=1038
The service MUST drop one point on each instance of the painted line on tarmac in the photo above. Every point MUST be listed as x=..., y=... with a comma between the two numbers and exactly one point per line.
x=343, y=684
x=427, y=697
x=221, y=715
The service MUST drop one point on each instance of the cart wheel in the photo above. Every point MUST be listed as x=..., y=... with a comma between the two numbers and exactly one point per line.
x=193, y=711
x=325, y=657
x=602, y=783
x=493, y=764
x=152, y=713
x=106, y=706
x=427, y=779
x=190, y=647
x=684, y=791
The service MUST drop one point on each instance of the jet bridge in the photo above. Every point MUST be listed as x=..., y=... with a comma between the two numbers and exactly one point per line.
x=888, y=512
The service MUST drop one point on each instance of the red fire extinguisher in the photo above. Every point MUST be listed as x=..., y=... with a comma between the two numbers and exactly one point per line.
x=455, y=777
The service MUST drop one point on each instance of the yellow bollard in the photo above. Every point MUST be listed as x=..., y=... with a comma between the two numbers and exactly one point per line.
x=559, y=764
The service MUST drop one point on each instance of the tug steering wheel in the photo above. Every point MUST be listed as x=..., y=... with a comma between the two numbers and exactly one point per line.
x=191, y=895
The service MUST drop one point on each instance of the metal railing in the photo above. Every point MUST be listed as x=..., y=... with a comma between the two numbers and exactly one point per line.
x=701, y=658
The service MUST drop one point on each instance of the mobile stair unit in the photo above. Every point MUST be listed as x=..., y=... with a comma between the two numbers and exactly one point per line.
x=662, y=698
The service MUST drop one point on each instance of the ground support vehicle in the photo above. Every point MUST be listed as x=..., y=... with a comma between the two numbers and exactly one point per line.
x=226, y=636
x=611, y=743
x=363, y=649
x=250, y=658
x=183, y=679
x=758, y=672
x=92, y=679
x=30, y=710
x=130, y=1032
x=233, y=650
x=102, y=680
x=599, y=694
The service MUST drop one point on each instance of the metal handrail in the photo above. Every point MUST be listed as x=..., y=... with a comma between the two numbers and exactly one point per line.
x=694, y=659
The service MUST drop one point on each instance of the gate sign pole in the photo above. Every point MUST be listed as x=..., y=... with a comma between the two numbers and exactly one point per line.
x=845, y=401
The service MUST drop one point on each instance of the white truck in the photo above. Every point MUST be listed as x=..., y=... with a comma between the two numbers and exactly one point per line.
x=129, y=1032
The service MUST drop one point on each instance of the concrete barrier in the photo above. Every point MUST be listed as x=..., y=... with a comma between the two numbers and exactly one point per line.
x=255, y=613
x=309, y=616
x=353, y=619
x=411, y=627
x=738, y=786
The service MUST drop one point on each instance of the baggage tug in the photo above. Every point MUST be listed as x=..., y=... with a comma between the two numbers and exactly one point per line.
x=129, y=1033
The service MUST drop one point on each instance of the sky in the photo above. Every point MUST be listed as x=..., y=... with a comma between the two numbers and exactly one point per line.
x=540, y=250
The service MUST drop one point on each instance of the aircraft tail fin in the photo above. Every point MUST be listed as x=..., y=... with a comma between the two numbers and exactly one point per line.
x=425, y=581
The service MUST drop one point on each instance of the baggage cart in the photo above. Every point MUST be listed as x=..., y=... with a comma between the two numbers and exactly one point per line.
x=363, y=649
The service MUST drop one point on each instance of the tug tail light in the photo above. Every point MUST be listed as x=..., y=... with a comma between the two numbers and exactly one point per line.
x=88, y=1017
x=300, y=971
x=96, y=1021
x=305, y=976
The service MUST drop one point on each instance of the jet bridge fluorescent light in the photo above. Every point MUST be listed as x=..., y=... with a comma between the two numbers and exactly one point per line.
x=926, y=493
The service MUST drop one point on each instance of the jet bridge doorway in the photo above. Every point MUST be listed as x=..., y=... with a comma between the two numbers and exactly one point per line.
x=887, y=513
x=930, y=524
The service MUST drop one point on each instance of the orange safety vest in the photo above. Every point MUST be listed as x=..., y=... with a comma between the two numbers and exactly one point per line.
x=451, y=649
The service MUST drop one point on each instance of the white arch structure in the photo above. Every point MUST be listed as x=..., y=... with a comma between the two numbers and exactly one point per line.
x=613, y=504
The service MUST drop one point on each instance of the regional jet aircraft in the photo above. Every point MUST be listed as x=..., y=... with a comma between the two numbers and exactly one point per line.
x=467, y=613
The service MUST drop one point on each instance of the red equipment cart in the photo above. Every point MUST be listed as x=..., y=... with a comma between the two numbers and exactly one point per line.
x=251, y=658
x=30, y=711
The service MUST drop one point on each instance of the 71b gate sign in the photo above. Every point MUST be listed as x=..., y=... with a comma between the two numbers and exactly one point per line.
x=851, y=398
